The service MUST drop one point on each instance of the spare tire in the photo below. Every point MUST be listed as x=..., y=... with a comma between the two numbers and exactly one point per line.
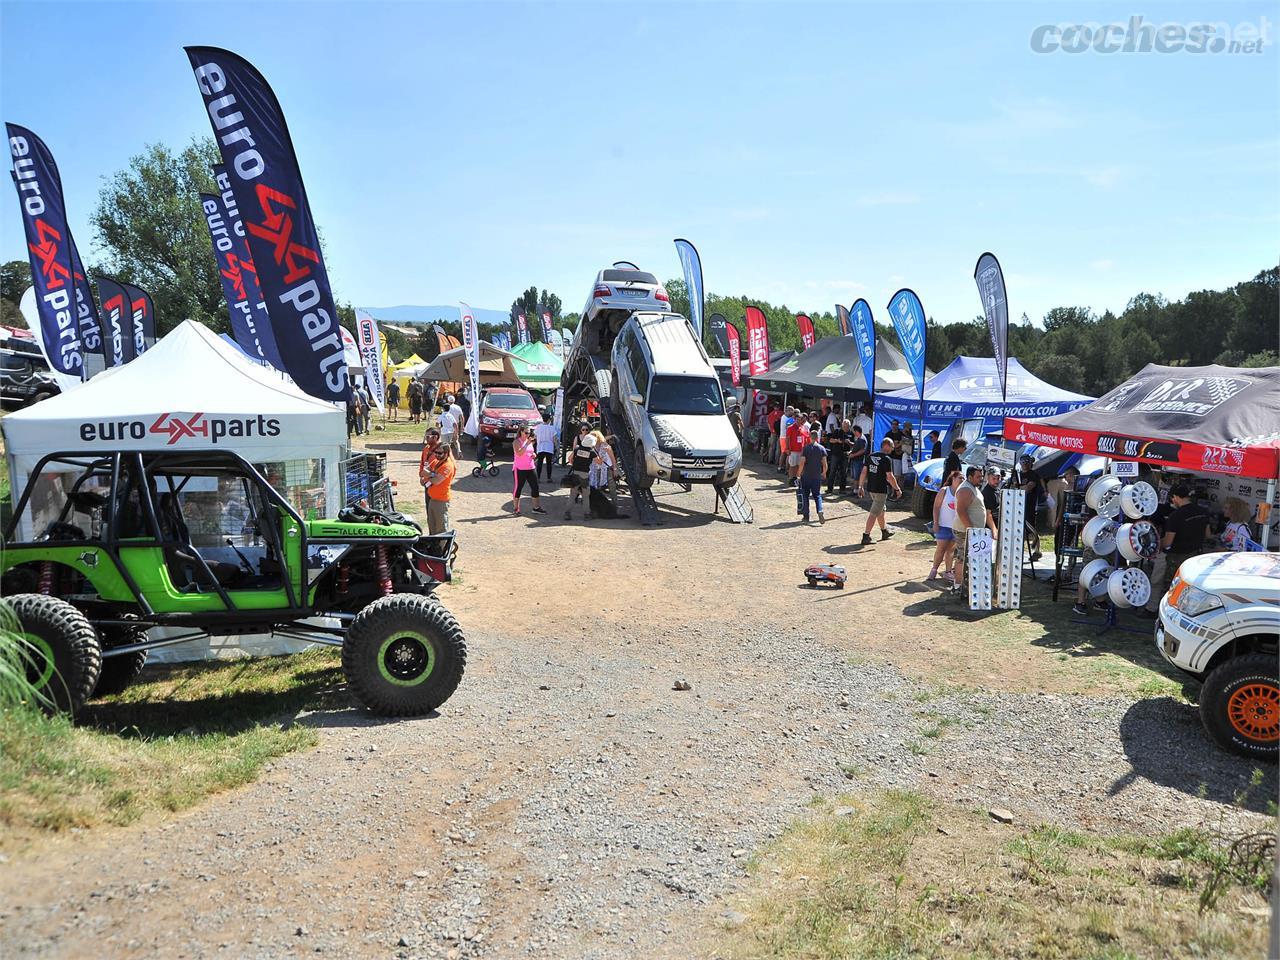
x=404, y=655
x=61, y=649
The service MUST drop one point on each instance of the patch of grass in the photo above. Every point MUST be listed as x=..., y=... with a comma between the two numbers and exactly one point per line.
x=178, y=735
x=886, y=883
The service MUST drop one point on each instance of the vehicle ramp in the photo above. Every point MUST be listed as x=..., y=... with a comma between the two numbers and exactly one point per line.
x=735, y=503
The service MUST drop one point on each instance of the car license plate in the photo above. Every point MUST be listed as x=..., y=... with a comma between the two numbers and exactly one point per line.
x=698, y=474
x=632, y=293
x=510, y=434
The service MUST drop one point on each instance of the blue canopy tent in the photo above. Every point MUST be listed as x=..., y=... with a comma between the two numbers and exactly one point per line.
x=969, y=388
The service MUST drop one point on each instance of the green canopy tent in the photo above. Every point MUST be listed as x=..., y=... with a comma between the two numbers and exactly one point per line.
x=537, y=366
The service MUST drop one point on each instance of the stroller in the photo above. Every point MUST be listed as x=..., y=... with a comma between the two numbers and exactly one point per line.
x=482, y=455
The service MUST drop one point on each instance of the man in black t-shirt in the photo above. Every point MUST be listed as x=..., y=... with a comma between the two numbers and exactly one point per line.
x=1185, y=530
x=877, y=477
x=837, y=444
x=958, y=447
x=935, y=445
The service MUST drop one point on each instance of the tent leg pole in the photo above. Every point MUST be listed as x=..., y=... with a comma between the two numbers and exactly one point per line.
x=1266, y=527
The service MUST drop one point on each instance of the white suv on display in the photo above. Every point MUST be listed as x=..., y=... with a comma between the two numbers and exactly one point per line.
x=1220, y=622
x=664, y=386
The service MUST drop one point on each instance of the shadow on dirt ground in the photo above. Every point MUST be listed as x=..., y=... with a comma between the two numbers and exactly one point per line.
x=1166, y=744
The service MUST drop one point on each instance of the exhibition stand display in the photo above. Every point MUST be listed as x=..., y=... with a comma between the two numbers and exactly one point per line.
x=969, y=388
x=1220, y=423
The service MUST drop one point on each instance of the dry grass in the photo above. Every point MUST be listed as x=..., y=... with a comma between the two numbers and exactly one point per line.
x=888, y=882
x=178, y=735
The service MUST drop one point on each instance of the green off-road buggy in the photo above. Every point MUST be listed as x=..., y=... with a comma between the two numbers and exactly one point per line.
x=200, y=542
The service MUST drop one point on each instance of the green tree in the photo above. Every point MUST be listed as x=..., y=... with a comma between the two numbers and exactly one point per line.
x=1062, y=371
x=150, y=223
x=15, y=277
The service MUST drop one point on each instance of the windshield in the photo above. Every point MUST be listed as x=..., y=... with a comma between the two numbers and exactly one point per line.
x=685, y=395
x=629, y=276
x=509, y=401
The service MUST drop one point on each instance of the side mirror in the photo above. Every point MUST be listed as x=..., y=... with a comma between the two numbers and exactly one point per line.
x=636, y=398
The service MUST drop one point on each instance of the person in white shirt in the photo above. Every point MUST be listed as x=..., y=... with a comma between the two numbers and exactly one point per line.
x=833, y=421
x=459, y=424
x=448, y=428
x=863, y=420
x=544, y=436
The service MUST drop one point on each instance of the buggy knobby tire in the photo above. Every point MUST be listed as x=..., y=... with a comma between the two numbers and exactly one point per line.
x=118, y=672
x=1240, y=706
x=404, y=655
x=64, y=657
x=921, y=502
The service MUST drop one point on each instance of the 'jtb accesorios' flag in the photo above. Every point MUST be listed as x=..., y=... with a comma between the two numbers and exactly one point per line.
x=990, y=280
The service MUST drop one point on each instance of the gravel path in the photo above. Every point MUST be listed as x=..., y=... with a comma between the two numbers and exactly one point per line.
x=568, y=802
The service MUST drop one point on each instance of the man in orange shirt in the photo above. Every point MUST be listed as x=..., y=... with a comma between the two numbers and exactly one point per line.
x=436, y=470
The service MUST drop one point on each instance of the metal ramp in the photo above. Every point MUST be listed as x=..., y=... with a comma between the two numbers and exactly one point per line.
x=735, y=503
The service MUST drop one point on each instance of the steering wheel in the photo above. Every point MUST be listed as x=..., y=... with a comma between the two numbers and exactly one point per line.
x=61, y=530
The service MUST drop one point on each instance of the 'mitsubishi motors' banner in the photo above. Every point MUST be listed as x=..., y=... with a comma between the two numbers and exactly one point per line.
x=863, y=330
x=990, y=280
x=368, y=344
x=44, y=220
x=734, y=353
x=757, y=341
x=691, y=263
x=118, y=313
x=471, y=342
x=907, y=314
x=253, y=138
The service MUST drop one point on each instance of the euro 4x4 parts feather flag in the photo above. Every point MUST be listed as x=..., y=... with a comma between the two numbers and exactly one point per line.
x=545, y=314
x=143, y=312
x=262, y=167
x=691, y=263
x=256, y=317
x=44, y=221
x=370, y=352
x=239, y=308
x=118, y=313
x=863, y=330
x=990, y=280
x=907, y=313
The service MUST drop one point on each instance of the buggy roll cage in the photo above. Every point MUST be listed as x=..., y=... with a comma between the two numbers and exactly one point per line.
x=140, y=470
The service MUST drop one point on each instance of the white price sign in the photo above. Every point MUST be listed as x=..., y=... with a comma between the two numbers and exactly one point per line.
x=1124, y=468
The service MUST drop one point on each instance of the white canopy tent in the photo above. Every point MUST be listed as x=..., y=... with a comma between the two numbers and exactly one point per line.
x=190, y=391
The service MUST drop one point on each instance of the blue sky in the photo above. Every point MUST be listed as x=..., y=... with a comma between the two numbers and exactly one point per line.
x=814, y=154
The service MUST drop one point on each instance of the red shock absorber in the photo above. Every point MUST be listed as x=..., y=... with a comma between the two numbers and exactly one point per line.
x=344, y=578
x=384, y=571
x=46, y=577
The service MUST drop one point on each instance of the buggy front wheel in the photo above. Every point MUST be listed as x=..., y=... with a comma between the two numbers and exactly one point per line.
x=404, y=655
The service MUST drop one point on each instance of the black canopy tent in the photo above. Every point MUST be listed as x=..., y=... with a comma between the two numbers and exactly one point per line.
x=829, y=370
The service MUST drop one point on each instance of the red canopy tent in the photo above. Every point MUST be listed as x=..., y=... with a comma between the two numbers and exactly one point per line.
x=1214, y=420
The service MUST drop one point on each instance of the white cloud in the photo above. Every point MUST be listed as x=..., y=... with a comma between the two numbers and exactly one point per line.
x=1102, y=264
x=887, y=198
x=845, y=285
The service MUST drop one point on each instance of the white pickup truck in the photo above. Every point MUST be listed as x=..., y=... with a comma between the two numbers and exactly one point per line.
x=1220, y=622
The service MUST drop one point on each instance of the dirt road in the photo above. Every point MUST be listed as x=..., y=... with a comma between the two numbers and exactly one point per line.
x=567, y=802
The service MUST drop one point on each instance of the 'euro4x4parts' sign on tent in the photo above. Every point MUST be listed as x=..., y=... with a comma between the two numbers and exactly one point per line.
x=1220, y=420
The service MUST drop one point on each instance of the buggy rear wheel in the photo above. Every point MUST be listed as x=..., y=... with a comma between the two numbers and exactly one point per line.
x=404, y=655
x=118, y=672
x=60, y=649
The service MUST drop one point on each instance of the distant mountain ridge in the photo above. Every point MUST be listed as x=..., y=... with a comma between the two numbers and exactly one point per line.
x=409, y=313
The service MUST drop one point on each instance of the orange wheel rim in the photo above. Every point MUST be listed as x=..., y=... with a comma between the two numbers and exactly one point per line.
x=1254, y=711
